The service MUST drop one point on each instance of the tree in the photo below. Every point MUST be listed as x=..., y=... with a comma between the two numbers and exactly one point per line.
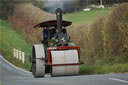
x=7, y=7
x=38, y=3
x=114, y=1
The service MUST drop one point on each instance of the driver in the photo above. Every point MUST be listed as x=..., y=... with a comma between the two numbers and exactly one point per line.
x=45, y=35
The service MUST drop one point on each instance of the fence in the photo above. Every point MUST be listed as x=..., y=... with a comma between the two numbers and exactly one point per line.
x=19, y=55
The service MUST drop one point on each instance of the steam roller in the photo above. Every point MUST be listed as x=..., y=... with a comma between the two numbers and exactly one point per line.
x=56, y=54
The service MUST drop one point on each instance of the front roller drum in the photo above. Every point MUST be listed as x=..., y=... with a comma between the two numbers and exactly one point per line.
x=62, y=61
x=65, y=70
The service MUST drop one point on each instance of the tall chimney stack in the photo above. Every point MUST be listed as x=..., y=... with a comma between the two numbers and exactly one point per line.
x=59, y=23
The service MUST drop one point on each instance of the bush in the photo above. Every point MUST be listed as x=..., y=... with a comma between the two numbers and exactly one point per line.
x=116, y=32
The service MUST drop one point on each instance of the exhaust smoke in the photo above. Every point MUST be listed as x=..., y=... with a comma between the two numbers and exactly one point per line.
x=65, y=5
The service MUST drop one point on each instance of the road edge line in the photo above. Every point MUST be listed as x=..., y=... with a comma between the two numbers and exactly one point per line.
x=13, y=65
x=115, y=79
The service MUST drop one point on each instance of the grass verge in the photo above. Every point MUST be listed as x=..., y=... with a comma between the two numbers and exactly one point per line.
x=9, y=40
x=104, y=69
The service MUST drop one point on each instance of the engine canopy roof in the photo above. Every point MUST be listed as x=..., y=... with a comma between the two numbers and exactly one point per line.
x=52, y=23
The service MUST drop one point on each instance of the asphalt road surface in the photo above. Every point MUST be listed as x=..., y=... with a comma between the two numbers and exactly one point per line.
x=10, y=75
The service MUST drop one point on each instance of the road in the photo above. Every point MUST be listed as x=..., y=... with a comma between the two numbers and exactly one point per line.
x=10, y=75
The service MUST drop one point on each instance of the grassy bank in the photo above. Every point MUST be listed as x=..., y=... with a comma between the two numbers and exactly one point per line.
x=9, y=40
x=87, y=17
x=104, y=69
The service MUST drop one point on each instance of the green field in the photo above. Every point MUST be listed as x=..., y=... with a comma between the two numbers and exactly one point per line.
x=10, y=39
x=86, y=17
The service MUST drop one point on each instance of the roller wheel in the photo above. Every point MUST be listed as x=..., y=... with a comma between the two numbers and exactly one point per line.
x=38, y=66
x=34, y=70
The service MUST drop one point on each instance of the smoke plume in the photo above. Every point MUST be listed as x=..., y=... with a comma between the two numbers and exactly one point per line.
x=52, y=5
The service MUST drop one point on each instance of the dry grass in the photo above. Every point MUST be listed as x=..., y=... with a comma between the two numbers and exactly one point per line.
x=105, y=40
x=104, y=43
x=116, y=32
x=25, y=17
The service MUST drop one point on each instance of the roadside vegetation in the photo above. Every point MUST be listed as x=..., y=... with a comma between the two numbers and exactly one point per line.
x=10, y=39
x=18, y=32
x=25, y=17
x=103, y=68
x=104, y=43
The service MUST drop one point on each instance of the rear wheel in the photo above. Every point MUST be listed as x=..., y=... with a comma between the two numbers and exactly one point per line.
x=38, y=66
x=34, y=69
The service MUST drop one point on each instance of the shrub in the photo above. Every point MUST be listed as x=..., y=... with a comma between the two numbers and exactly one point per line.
x=116, y=33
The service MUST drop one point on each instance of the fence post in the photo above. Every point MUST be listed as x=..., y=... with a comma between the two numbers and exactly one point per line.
x=14, y=53
x=19, y=55
x=23, y=57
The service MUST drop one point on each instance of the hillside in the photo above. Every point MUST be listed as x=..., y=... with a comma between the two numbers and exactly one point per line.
x=26, y=16
x=10, y=39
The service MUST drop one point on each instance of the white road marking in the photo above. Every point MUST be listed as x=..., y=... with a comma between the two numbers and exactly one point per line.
x=14, y=65
x=115, y=79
